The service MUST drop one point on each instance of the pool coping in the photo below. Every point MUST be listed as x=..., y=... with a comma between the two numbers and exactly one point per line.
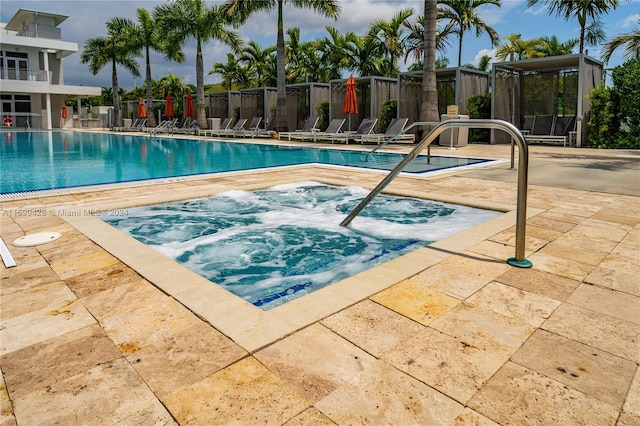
x=247, y=325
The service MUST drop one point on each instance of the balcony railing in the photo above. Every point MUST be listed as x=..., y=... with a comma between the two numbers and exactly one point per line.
x=41, y=31
x=25, y=75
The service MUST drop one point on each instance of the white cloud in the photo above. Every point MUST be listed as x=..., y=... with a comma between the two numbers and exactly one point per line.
x=536, y=11
x=630, y=21
x=482, y=52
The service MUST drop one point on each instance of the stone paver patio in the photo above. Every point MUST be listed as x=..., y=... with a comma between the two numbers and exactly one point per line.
x=95, y=329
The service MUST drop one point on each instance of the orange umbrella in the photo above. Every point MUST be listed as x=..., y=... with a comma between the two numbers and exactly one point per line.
x=350, y=101
x=142, y=112
x=64, y=111
x=188, y=107
x=168, y=107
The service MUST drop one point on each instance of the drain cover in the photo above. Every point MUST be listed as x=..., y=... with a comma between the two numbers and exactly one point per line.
x=36, y=239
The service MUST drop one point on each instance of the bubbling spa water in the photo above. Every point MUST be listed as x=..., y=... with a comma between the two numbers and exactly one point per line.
x=273, y=245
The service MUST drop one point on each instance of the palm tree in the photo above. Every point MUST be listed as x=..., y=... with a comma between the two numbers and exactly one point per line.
x=185, y=19
x=334, y=52
x=516, y=48
x=429, y=103
x=242, y=9
x=464, y=16
x=551, y=46
x=255, y=59
x=363, y=56
x=231, y=71
x=147, y=36
x=415, y=39
x=583, y=10
x=630, y=41
x=116, y=48
x=391, y=38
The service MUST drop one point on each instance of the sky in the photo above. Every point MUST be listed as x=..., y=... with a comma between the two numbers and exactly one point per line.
x=87, y=19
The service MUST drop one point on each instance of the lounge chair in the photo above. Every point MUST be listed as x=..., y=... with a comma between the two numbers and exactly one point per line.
x=124, y=128
x=224, y=126
x=392, y=134
x=308, y=127
x=163, y=127
x=550, y=129
x=365, y=128
x=188, y=127
x=232, y=131
x=254, y=128
x=267, y=131
x=334, y=128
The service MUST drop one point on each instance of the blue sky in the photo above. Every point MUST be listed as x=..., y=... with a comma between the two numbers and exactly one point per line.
x=87, y=19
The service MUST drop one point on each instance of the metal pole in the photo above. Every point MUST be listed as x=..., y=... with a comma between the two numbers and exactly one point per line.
x=523, y=170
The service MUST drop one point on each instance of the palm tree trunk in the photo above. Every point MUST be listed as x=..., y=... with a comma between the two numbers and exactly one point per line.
x=460, y=49
x=151, y=119
x=281, y=124
x=202, y=116
x=116, y=101
x=429, y=104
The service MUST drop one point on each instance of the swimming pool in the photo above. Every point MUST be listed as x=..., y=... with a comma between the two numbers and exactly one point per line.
x=33, y=161
x=274, y=245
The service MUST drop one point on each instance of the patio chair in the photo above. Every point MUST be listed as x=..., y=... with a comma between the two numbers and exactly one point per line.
x=232, y=131
x=334, y=128
x=224, y=126
x=365, y=128
x=267, y=131
x=254, y=128
x=189, y=127
x=392, y=134
x=163, y=127
x=125, y=128
x=547, y=129
x=308, y=127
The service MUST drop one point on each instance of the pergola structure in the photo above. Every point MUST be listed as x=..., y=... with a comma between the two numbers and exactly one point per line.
x=554, y=85
x=222, y=104
x=302, y=101
x=258, y=102
x=454, y=85
x=371, y=93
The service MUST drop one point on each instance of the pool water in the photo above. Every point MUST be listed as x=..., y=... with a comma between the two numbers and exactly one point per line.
x=44, y=160
x=273, y=245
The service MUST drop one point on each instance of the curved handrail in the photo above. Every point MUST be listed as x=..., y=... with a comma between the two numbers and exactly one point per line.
x=523, y=169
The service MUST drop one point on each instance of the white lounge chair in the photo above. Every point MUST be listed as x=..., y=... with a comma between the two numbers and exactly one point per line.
x=365, y=128
x=392, y=134
x=309, y=126
x=232, y=131
x=224, y=126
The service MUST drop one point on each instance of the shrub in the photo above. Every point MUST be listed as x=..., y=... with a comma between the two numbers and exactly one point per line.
x=323, y=114
x=601, y=134
x=389, y=112
x=479, y=107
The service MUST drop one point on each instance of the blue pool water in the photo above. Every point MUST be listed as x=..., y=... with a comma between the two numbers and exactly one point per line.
x=31, y=161
x=274, y=245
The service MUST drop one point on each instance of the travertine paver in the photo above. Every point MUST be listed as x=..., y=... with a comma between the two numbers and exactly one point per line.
x=184, y=358
x=383, y=395
x=416, y=301
x=592, y=328
x=34, y=299
x=315, y=361
x=93, y=282
x=243, y=393
x=372, y=327
x=447, y=363
x=584, y=368
x=310, y=417
x=27, y=279
x=472, y=418
x=82, y=399
x=613, y=303
x=632, y=404
x=560, y=266
x=530, y=308
x=37, y=367
x=539, y=282
x=79, y=265
x=618, y=273
x=484, y=329
x=519, y=396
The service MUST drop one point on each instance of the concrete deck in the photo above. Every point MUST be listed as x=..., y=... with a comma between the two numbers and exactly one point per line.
x=97, y=329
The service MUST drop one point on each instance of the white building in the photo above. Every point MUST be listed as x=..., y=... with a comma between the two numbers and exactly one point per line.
x=32, y=88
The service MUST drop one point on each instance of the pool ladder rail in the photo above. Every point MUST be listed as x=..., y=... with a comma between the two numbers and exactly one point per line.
x=523, y=169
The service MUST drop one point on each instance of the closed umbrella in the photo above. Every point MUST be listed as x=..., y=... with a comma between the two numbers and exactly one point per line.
x=168, y=107
x=142, y=111
x=64, y=111
x=350, y=101
x=188, y=107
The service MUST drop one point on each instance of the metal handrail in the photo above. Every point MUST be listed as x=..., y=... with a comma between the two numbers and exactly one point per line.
x=523, y=169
